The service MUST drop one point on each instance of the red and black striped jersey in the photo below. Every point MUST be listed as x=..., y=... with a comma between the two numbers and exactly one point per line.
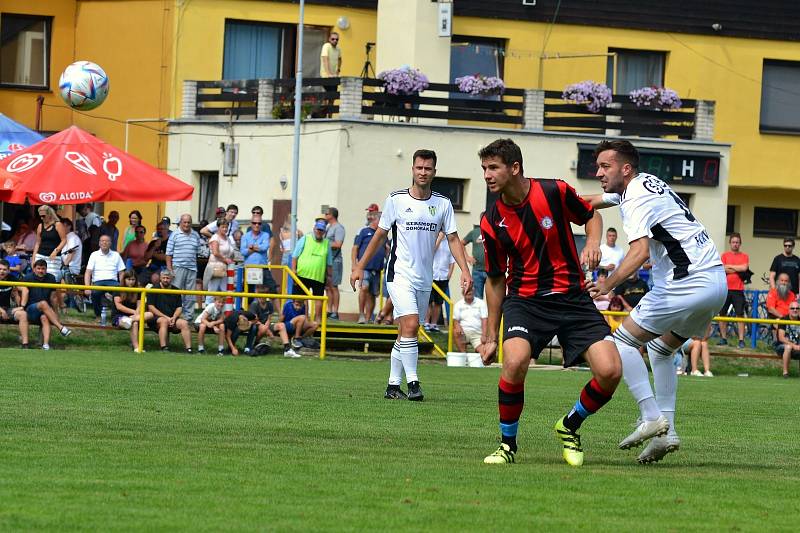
x=533, y=240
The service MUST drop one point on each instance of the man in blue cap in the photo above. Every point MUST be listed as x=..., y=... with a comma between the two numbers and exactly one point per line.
x=312, y=261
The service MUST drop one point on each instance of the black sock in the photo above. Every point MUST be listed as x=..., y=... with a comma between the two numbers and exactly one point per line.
x=287, y=346
x=511, y=442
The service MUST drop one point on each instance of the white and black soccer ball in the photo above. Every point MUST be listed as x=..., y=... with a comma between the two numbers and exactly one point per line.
x=83, y=85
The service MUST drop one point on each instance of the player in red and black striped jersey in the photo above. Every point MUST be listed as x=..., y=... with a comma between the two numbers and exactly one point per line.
x=536, y=277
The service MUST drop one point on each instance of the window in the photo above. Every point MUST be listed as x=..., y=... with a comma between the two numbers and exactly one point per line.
x=25, y=50
x=207, y=199
x=634, y=69
x=472, y=55
x=453, y=188
x=774, y=222
x=730, y=222
x=780, y=89
x=255, y=50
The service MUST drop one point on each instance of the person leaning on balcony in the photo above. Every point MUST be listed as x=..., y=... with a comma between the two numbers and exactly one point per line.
x=312, y=261
x=330, y=64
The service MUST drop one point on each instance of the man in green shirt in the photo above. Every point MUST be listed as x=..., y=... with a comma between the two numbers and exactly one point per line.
x=477, y=259
x=312, y=261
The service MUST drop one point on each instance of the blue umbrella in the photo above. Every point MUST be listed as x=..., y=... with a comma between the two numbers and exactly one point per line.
x=14, y=136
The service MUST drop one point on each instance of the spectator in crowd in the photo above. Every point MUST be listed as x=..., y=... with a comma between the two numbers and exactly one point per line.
x=230, y=215
x=312, y=261
x=13, y=260
x=602, y=302
x=286, y=251
x=370, y=284
x=36, y=302
x=235, y=324
x=137, y=253
x=443, y=264
x=25, y=238
x=616, y=304
x=631, y=291
x=779, y=298
x=335, y=233
x=256, y=211
x=470, y=316
x=182, y=250
x=736, y=266
x=477, y=259
x=167, y=310
x=87, y=226
x=237, y=241
x=10, y=312
x=221, y=255
x=296, y=322
x=134, y=219
x=262, y=309
x=330, y=59
x=104, y=269
x=611, y=253
x=256, y=246
x=51, y=237
x=211, y=318
x=699, y=350
x=787, y=263
x=73, y=251
x=788, y=345
x=158, y=247
x=126, y=311
x=109, y=227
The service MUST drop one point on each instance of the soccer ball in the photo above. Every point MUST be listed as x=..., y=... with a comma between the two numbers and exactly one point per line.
x=83, y=85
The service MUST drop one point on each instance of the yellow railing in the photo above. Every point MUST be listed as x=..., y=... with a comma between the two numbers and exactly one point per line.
x=144, y=291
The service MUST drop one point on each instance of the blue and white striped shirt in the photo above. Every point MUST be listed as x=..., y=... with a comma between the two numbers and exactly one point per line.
x=183, y=249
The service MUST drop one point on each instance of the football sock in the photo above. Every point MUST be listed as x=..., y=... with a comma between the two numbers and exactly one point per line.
x=635, y=374
x=409, y=353
x=664, y=379
x=592, y=398
x=396, y=366
x=511, y=400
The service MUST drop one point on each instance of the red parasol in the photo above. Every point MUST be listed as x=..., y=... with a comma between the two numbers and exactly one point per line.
x=74, y=166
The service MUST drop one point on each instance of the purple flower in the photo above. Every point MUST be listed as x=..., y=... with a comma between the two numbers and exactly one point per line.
x=404, y=80
x=655, y=97
x=478, y=84
x=594, y=95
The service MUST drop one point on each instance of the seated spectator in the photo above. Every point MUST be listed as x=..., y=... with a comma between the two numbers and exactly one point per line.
x=615, y=305
x=779, y=298
x=236, y=323
x=125, y=311
x=699, y=349
x=632, y=290
x=167, y=310
x=211, y=318
x=10, y=313
x=470, y=317
x=15, y=265
x=136, y=253
x=25, y=238
x=262, y=309
x=296, y=322
x=104, y=269
x=602, y=302
x=36, y=301
x=788, y=345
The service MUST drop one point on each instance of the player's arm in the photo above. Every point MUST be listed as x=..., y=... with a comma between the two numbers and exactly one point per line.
x=601, y=201
x=591, y=255
x=638, y=253
x=495, y=292
x=457, y=249
x=377, y=240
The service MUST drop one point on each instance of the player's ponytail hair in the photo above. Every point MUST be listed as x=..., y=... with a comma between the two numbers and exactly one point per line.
x=506, y=150
x=627, y=152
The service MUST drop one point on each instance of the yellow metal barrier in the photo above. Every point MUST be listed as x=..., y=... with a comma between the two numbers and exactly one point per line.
x=144, y=291
x=449, y=321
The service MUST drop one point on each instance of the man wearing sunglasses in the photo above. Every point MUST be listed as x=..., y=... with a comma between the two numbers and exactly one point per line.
x=788, y=263
x=255, y=247
x=788, y=345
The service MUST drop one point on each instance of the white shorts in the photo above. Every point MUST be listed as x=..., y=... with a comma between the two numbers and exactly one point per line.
x=408, y=300
x=685, y=307
x=473, y=338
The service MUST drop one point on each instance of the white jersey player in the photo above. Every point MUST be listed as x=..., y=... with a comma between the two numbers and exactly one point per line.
x=414, y=216
x=689, y=287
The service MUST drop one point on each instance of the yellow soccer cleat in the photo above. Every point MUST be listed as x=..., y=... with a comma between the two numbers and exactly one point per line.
x=503, y=455
x=573, y=453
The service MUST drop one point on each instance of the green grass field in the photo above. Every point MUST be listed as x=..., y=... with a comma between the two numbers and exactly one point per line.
x=108, y=440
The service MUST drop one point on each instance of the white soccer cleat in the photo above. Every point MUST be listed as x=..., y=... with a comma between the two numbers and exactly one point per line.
x=646, y=429
x=658, y=448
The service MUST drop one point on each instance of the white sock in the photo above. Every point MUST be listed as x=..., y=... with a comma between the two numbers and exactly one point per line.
x=220, y=348
x=409, y=352
x=635, y=374
x=200, y=347
x=664, y=379
x=396, y=368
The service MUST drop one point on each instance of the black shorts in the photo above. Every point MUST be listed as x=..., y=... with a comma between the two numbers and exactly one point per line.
x=573, y=318
x=443, y=284
x=317, y=288
x=736, y=299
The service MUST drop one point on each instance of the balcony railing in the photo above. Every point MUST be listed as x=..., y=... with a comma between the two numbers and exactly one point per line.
x=365, y=99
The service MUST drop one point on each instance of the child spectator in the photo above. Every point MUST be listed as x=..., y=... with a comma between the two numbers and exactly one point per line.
x=615, y=305
x=14, y=261
x=262, y=309
x=236, y=323
x=296, y=322
x=125, y=311
x=211, y=318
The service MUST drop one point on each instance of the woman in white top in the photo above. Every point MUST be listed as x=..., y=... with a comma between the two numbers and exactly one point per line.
x=222, y=248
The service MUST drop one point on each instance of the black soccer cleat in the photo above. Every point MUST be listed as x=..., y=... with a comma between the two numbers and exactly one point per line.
x=394, y=392
x=415, y=392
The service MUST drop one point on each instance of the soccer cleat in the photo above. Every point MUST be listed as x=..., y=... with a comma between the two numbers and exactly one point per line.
x=291, y=353
x=658, y=448
x=394, y=392
x=646, y=429
x=571, y=441
x=415, y=392
x=502, y=456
